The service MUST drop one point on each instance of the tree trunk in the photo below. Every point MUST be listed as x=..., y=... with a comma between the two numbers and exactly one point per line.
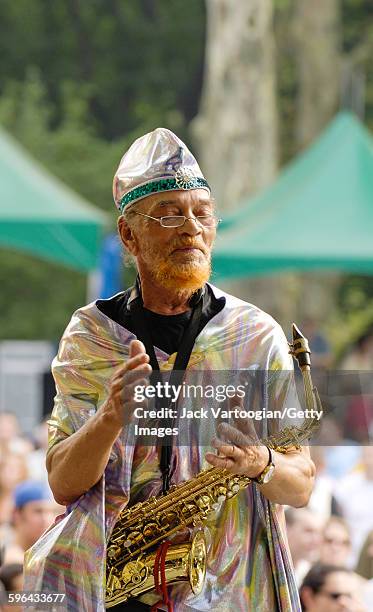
x=236, y=130
x=319, y=61
x=317, y=27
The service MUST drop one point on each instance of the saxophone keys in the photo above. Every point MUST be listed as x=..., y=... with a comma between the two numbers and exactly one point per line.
x=188, y=509
x=150, y=529
x=219, y=493
x=203, y=502
x=113, y=552
x=168, y=518
x=133, y=538
x=134, y=572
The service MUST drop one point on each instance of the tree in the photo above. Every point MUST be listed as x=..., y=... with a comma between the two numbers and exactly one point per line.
x=317, y=31
x=318, y=53
x=236, y=129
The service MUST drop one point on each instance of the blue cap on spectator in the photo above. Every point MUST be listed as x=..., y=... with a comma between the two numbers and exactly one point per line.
x=29, y=491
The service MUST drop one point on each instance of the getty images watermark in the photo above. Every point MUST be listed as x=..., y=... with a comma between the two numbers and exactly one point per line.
x=203, y=402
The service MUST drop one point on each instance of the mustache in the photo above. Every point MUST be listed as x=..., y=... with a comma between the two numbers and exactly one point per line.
x=190, y=243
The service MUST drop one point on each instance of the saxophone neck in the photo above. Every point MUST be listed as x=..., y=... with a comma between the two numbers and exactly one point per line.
x=300, y=349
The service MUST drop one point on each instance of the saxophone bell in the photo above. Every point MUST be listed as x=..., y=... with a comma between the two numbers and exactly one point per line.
x=185, y=562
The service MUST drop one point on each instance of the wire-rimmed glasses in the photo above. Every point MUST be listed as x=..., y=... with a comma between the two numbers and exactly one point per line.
x=179, y=220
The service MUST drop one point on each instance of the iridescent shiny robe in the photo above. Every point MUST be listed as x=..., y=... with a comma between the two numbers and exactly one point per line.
x=249, y=565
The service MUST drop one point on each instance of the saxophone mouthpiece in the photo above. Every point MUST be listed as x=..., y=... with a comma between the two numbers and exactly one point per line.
x=297, y=334
x=300, y=348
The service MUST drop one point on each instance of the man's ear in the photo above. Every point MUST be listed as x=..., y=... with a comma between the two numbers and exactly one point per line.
x=127, y=236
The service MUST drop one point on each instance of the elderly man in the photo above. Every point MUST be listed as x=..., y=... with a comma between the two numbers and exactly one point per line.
x=97, y=464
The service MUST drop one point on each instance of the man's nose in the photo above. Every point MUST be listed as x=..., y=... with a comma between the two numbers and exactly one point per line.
x=191, y=227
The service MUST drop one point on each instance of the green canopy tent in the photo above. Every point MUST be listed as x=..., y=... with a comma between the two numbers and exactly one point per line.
x=317, y=215
x=39, y=214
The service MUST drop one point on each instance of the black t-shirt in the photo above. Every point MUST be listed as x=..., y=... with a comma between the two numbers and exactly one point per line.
x=166, y=330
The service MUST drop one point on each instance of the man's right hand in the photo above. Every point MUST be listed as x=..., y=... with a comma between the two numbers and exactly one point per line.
x=136, y=371
x=77, y=463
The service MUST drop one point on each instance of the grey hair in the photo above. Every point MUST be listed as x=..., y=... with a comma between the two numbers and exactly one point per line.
x=132, y=220
x=129, y=260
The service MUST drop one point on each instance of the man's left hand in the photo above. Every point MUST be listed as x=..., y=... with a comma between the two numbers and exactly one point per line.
x=239, y=453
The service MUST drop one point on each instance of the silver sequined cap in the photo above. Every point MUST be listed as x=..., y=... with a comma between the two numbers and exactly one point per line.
x=158, y=161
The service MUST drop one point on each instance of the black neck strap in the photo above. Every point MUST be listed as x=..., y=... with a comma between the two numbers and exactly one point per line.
x=178, y=371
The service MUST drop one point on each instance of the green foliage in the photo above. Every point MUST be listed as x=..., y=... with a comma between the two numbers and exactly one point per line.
x=37, y=298
x=131, y=57
x=80, y=80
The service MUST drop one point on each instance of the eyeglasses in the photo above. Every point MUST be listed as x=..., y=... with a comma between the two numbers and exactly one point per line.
x=179, y=220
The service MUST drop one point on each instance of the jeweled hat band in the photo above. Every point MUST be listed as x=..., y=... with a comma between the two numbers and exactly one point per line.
x=161, y=185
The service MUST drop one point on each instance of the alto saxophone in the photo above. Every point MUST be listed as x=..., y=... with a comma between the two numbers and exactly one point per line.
x=131, y=551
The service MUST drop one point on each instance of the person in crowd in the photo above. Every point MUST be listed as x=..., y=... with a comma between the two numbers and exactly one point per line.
x=11, y=437
x=341, y=454
x=354, y=495
x=335, y=542
x=9, y=428
x=360, y=358
x=322, y=356
x=364, y=565
x=322, y=500
x=168, y=224
x=330, y=588
x=36, y=459
x=34, y=511
x=13, y=470
x=359, y=412
x=11, y=576
x=11, y=579
x=304, y=529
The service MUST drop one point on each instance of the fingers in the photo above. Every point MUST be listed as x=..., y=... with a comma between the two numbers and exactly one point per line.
x=119, y=386
x=136, y=348
x=235, y=402
x=142, y=359
x=137, y=362
x=122, y=399
x=249, y=430
x=129, y=392
x=220, y=462
x=228, y=450
x=134, y=371
x=142, y=371
x=234, y=435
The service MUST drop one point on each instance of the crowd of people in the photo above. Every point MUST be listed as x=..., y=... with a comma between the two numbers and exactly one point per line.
x=27, y=507
x=333, y=535
x=331, y=540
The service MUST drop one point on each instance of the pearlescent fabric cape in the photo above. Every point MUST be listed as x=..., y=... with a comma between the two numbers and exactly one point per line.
x=249, y=565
